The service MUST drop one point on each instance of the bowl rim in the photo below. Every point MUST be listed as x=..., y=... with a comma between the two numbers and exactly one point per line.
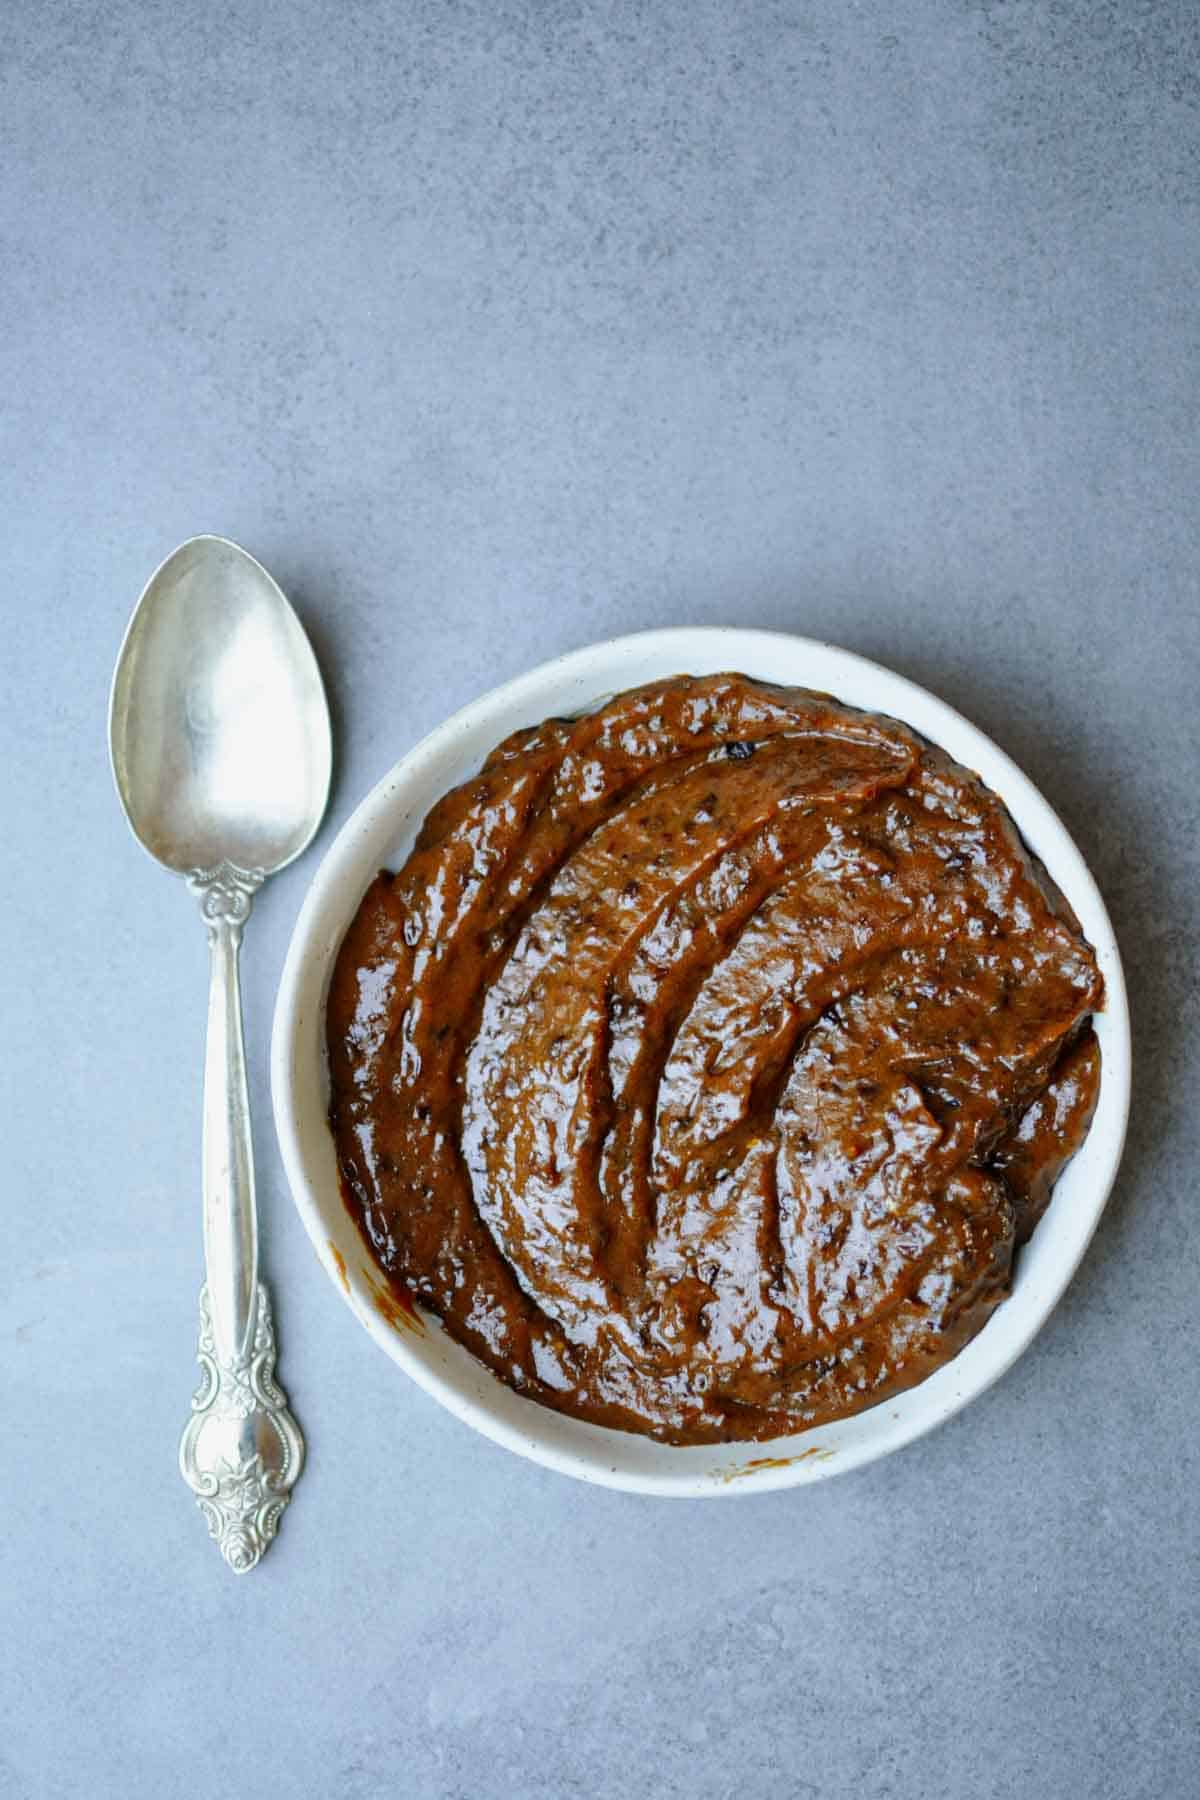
x=468, y=1389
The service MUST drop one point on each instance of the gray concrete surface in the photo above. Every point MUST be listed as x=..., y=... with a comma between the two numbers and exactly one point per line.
x=494, y=329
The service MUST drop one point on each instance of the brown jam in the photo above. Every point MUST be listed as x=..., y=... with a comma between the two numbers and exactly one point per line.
x=708, y=1059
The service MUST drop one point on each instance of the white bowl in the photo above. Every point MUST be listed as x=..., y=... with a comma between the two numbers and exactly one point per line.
x=380, y=833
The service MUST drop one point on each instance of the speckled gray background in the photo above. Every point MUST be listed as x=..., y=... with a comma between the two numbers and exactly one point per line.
x=495, y=329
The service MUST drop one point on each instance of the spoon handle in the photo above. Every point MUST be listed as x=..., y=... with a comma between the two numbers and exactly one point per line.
x=230, y=1213
x=241, y=1449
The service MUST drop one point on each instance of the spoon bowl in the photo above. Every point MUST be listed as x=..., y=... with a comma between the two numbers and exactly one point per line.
x=219, y=727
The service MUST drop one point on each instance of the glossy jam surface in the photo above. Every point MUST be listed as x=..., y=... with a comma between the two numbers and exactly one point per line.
x=708, y=1059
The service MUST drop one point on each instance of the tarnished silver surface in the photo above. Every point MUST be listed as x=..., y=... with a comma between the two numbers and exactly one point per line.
x=221, y=751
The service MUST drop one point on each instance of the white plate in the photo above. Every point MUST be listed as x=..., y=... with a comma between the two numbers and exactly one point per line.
x=380, y=833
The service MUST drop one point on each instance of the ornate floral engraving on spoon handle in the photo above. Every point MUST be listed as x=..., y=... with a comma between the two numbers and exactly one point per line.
x=225, y=892
x=241, y=1450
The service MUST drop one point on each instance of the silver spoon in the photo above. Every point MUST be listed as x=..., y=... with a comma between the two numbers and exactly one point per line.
x=221, y=750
